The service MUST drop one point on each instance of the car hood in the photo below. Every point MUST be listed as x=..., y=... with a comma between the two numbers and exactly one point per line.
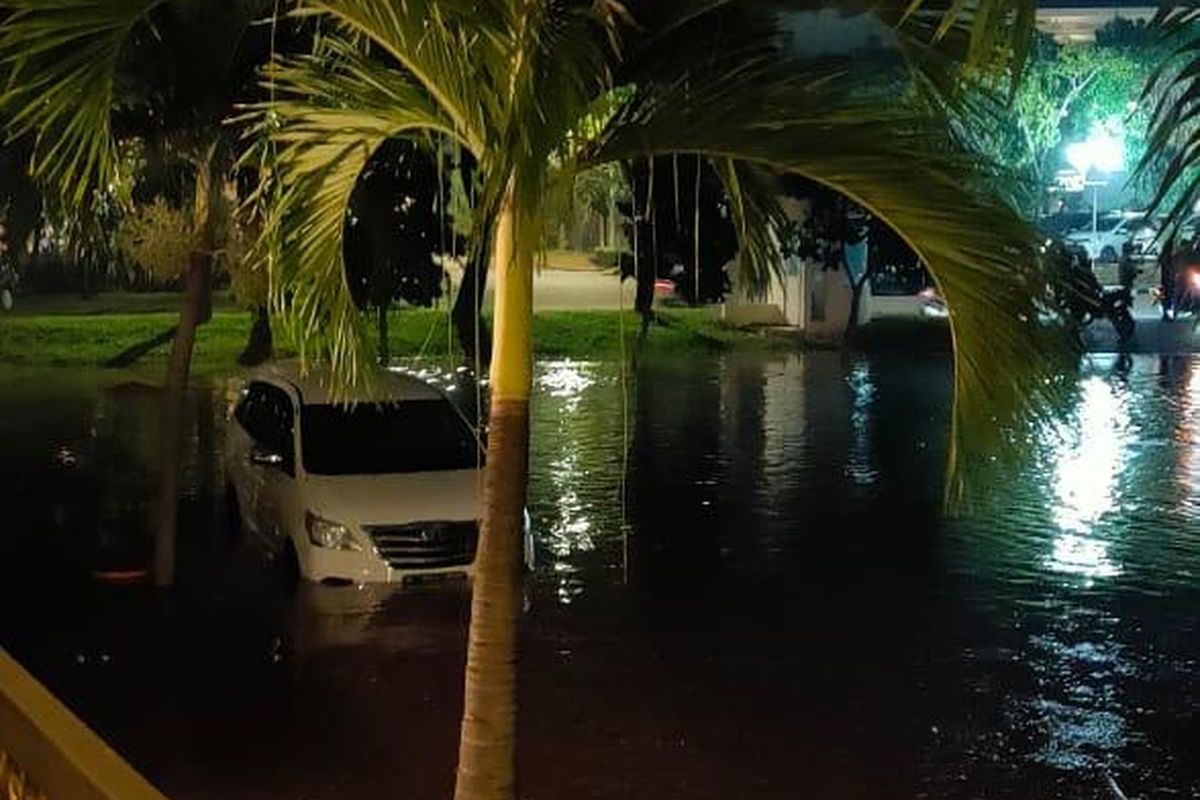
x=395, y=499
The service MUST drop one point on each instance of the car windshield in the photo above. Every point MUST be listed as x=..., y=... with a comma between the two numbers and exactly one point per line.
x=375, y=439
x=1105, y=224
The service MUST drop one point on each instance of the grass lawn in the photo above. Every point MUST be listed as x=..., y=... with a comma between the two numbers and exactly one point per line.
x=88, y=340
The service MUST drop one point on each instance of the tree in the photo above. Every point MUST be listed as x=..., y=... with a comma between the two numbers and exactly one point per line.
x=597, y=193
x=685, y=229
x=1069, y=91
x=20, y=203
x=513, y=81
x=1172, y=155
x=831, y=224
x=81, y=75
x=396, y=224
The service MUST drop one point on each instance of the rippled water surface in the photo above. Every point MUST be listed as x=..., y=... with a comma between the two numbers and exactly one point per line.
x=746, y=587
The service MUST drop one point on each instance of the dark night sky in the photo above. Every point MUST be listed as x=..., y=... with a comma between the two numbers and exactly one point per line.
x=828, y=32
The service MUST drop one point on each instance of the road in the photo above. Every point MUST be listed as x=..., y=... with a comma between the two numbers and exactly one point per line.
x=571, y=290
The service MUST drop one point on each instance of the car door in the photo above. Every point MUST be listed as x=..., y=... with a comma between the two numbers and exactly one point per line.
x=246, y=477
x=275, y=482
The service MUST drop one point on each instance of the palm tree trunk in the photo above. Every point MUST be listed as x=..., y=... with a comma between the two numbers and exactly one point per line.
x=487, y=746
x=260, y=346
x=467, y=314
x=643, y=300
x=611, y=222
x=384, y=352
x=197, y=309
x=856, y=293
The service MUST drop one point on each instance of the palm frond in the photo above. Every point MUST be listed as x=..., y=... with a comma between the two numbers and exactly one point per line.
x=1173, y=141
x=331, y=111
x=758, y=217
x=981, y=35
x=453, y=49
x=900, y=164
x=559, y=67
x=60, y=58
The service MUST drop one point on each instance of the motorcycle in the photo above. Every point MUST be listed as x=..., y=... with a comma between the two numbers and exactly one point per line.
x=1187, y=289
x=1079, y=295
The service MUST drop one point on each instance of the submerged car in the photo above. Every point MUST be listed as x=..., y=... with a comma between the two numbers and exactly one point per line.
x=383, y=488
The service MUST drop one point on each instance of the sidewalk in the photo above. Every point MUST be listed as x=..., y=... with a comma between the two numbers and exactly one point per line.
x=573, y=289
x=1152, y=335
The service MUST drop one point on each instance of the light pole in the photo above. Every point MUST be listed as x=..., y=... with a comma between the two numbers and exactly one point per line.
x=1103, y=152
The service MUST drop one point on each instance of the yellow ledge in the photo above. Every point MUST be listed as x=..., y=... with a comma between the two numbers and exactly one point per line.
x=59, y=755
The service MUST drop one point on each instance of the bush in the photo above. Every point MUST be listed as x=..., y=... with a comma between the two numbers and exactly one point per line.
x=604, y=257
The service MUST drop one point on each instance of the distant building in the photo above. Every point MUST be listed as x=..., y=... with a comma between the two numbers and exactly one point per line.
x=1071, y=22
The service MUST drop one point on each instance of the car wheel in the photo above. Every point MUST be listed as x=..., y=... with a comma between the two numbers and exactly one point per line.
x=1109, y=253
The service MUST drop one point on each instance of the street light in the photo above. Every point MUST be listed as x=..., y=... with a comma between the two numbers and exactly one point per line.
x=1101, y=151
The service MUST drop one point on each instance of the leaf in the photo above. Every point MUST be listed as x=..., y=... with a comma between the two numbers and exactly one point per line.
x=906, y=168
x=758, y=216
x=60, y=60
x=1173, y=141
x=332, y=110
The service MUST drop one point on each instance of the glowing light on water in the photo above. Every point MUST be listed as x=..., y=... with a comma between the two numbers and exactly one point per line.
x=569, y=530
x=1089, y=458
x=1080, y=555
x=862, y=386
x=1187, y=437
x=565, y=380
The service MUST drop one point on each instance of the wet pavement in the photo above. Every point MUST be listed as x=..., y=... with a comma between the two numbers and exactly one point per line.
x=759, y=598
x=1151, y=335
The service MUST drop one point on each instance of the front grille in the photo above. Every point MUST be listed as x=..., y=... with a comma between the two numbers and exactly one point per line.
x=426, y=545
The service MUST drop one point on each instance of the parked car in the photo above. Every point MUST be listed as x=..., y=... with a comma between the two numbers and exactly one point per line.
x=366, y=490
x=664, y=290
x=1061, y=223
x=932, y=304
x=1112, y=232
x=900, y=279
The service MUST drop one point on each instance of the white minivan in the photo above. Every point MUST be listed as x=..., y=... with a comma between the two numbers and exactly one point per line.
x=1112, y=231
x=385, y=489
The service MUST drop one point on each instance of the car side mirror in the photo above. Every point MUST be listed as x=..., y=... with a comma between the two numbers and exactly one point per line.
x=262, y=457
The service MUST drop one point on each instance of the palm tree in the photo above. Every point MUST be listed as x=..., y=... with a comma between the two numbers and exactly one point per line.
x=82, y=74
x=1173, y=144
x=511, y=81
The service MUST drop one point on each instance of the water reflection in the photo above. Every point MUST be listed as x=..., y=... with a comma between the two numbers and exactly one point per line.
x=862, y=389
x=1187, y=438
x=1089, y=461
x=565, y=380
x=793, y=588
x=572, y=483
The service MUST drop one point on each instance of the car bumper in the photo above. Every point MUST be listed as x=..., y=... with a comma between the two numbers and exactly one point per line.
x=366, y=567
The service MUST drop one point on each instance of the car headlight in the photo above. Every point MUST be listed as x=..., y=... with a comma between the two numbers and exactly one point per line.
x=328, y=534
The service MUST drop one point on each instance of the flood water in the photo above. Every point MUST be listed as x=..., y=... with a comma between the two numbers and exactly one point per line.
x=759, y=598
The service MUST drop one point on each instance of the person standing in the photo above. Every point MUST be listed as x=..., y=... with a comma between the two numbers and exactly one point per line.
x=1166, y=275
x=1127, y=271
